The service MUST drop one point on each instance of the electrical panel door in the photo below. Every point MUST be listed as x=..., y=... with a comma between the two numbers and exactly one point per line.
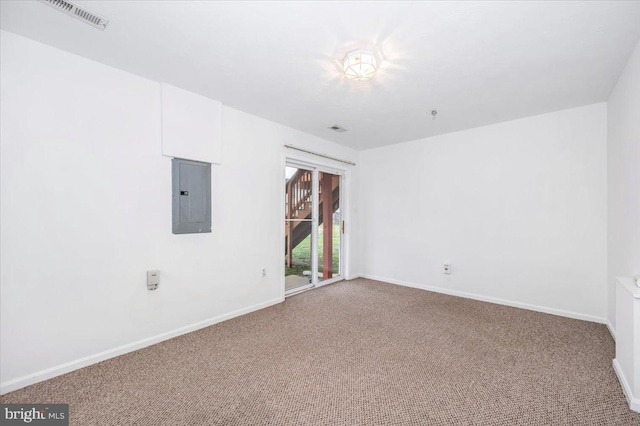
x=191, y=196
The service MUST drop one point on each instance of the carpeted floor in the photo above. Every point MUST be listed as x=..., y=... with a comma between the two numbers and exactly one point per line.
x=358, y=353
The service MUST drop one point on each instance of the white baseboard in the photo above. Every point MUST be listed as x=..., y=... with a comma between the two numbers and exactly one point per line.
x=552, y=311
x=58, y=370
x=634, y=403
x=611, y=330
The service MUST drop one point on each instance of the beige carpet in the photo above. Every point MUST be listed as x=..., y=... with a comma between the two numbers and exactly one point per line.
x=358, y=353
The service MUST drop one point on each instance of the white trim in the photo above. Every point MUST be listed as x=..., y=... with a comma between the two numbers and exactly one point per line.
x=634, y=403
x=283, y=224
x=629, y=285
x=346, y=226
x=312, y=163
x=302, y=289
x=58, y=370
x=351, y=163
x=330, y=281
x=552, y=311
x=611, y=329
x=296, y=290
x=315, y=192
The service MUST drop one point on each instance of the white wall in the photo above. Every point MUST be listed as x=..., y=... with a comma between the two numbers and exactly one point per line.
x=623, y=169
x=86, y=210
x=518, y=208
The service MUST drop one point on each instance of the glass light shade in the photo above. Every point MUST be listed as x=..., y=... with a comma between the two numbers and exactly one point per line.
x=360, y=64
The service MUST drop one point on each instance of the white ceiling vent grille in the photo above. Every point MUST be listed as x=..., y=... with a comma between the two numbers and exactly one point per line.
x=338, y=129
x=81, y=13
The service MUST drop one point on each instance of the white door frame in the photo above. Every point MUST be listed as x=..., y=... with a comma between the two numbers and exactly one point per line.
x=303, y=162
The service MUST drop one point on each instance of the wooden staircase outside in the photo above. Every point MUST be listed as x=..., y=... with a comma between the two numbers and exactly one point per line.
x=299, y=192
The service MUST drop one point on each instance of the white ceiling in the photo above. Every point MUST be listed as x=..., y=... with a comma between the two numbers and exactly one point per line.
x=477, y=63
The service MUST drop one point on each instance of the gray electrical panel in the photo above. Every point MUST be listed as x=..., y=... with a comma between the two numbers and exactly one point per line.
x=191, y=196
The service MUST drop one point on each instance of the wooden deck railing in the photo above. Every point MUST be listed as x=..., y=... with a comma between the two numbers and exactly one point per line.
x=299, y=190
x=299, y=202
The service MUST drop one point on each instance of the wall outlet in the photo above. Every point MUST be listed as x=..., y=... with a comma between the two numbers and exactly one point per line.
x=446, y=268
x=264, y=272
x=153, y=279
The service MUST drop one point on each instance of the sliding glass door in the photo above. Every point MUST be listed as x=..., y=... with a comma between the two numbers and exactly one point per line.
x=299, y=220
x=313, y=226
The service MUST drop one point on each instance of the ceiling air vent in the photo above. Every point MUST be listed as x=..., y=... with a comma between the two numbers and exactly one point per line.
x=81, y=13
x=338, y=129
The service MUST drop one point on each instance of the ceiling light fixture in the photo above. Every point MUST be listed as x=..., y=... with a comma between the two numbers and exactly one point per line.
x=360, y=64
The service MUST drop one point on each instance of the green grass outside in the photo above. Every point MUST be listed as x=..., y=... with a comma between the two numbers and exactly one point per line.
x=301, y=256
